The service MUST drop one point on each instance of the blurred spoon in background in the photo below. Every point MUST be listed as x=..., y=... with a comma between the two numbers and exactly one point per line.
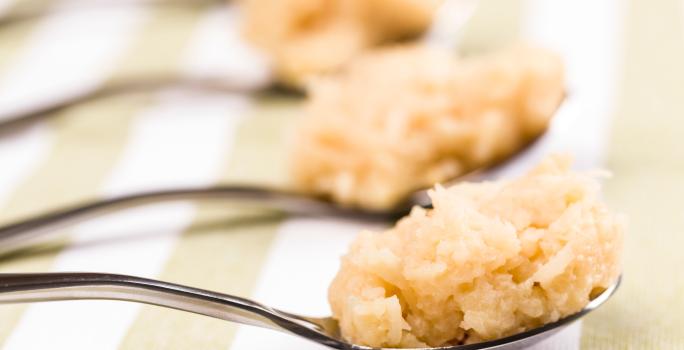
x=444, y=32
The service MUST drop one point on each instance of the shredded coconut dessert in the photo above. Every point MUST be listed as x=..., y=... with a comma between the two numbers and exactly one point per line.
x=490, y=260
x=309, y=37
x=401, y=119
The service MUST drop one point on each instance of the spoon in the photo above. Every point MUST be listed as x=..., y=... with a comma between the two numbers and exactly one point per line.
x=449, y=19
x=22, y=233
x=38, y=287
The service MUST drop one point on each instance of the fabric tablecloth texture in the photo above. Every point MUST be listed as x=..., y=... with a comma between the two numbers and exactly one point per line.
x=624, y=113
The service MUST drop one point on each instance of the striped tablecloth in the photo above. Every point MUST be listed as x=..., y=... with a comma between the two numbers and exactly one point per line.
x=625, y=112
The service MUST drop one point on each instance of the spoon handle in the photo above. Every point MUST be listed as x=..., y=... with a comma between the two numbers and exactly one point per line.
x=22, y=233
x=23, y=115
x=38, y=287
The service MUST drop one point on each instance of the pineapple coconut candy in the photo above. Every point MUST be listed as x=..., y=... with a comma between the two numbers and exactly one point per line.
x=305, y=38
x=490, y=260
x=400, y=119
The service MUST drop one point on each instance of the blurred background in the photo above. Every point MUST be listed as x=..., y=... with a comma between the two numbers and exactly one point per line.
x=123, y=96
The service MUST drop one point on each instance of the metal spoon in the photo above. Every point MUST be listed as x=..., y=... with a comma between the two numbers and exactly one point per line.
x=24, y=232
x=37, y=287
x=443, y=32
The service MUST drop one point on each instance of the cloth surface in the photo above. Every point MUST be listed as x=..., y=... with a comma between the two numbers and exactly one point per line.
x=623, y=113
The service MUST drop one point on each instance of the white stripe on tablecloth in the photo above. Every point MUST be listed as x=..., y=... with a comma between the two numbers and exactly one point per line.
x=227, y=55
x=20, y=153
x=303, y=260
x=181, y=141
x=70, y=51
x=587, y=34
x=289, y=279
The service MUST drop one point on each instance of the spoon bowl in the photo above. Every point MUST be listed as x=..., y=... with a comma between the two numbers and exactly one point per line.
x=40, y=287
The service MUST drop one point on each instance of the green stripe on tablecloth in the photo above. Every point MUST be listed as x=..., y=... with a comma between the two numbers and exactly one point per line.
x=647, y=157
x=225, y=247
x=87, y=141
x=494, y=25
x=263, y=140
x=13, y=39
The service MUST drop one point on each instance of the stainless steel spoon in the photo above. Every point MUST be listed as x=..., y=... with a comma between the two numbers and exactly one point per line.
x=443, y=32
x=25, y=232
x=37, y=287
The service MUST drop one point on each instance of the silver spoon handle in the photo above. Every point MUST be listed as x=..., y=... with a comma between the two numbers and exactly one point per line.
x=22, y=233
x=39, y=287
x=36, y=287
x=24, y=115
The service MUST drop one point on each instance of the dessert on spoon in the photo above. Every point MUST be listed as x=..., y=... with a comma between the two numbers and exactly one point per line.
x=306, y=38
x=400, y=119
x=488, y=261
